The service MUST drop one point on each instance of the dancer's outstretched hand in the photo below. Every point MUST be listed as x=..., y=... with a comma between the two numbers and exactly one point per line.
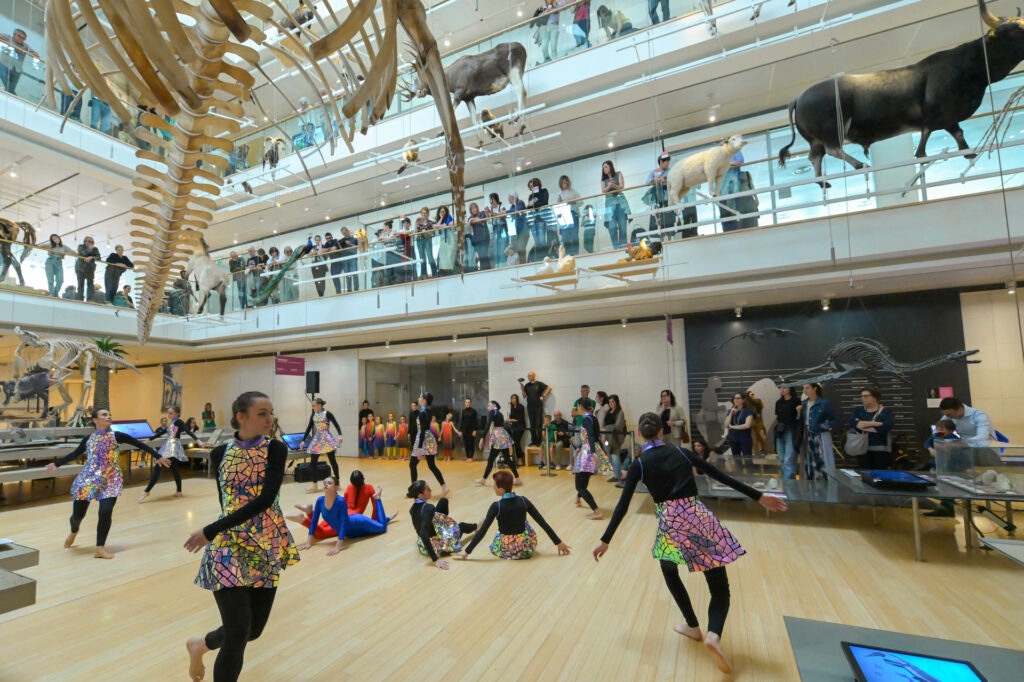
x=196, y=541
x=164, y=462
x=773, y=503
x=51, y=467
x=338, y=546
x=442, y=564
x=600, y=550
x=563, y=549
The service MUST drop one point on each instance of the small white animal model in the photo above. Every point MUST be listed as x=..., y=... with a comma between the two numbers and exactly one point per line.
x=708, y=166
x=564, y=264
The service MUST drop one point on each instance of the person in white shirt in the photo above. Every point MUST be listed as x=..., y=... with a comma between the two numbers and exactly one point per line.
x=974, y=426
x=570, y=234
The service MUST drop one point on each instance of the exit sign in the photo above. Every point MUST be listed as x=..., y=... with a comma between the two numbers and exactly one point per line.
x=509, y=358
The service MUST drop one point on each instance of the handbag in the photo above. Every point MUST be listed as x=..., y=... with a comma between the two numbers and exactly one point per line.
x=856, y=443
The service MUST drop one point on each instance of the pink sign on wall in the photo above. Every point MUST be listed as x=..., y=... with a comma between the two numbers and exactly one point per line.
x=289, y=366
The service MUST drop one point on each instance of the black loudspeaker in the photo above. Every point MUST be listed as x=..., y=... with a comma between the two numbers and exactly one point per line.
x=313, y=382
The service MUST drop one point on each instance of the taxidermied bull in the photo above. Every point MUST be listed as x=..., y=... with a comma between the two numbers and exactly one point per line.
x=482, y=74
x=936, y=93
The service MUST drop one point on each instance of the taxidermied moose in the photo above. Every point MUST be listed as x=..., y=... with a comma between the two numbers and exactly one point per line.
x=936, y=93
x=482, y=74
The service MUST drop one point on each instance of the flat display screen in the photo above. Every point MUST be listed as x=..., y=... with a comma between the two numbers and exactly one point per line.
x=883, y=476
x=292, y=440
x=873, y=664
x=137, y=429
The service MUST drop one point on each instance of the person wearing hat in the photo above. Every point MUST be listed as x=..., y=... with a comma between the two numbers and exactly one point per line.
x=657, y=197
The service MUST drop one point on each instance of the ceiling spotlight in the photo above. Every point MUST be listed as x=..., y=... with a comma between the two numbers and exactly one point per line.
x=236, y=241
x=455, y=338
x=265, y=118
x=275, y=231
x=327, y=217
x=713, y=113
x=611, y=142
x=531, y=331
x=518, y=168
x=72, y=212
x=14, y=170
x=824, y=302
x=383, y=199
x=624, y=321
x=519, y=12
x=448, y=40
x=103, y=201
x=1011, y=287
x=738, y=310
x=387, y=343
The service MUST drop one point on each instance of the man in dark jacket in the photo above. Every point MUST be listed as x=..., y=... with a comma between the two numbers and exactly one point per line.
x=85, y=268
x=469, y=422
x=117, y=264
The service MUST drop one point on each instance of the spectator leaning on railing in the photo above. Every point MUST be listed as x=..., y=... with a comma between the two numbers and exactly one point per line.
x=85, y=268
x=12, y=61
x=516, y=206
x=117, y=263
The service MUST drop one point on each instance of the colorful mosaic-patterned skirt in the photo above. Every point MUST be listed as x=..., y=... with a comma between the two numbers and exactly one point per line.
x=497, y=439
x=322, y=442
x=688, y=533
x=590, y=459
x=518, y=546
x=250, y=555
x=447, y=536
x=429, y=448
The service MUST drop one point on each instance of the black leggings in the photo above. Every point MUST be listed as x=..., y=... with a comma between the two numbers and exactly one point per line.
x=442, y=508
x=154, y=475
x=718, y=607
x=78, y=509
x=582, y=481
x=243, y=613
x=517, y=443
x=494, y=456
x=313, y=459
x=414, y=460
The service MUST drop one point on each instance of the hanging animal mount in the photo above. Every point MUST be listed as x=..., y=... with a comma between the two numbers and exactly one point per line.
x=936, y=93
x=410, y=155
x=209, y=277
x=272, y=148
x=708, y=166
x=477, y=75
x=642, y=251
x=756, y=335
x=194, y=64
x=870, y=357
x=271, y=286
x=9, y=231
x=35, y=385
x=495, y=130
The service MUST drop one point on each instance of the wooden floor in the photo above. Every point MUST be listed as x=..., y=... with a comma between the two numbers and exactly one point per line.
x=380, y=611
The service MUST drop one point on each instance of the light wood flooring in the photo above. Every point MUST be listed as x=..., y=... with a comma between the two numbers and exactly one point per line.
x=380, y=611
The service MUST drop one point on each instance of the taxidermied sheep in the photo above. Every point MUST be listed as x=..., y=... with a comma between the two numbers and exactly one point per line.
x=708, y=166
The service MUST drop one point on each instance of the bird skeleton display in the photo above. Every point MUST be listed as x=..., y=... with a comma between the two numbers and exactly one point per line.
x=194, y=64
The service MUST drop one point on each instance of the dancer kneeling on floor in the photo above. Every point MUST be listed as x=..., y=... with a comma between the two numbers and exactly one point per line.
x=437, y=533
x=340, y=521
x=515, y=538
x=590, y=457
x=687, y=531
x=496, y=440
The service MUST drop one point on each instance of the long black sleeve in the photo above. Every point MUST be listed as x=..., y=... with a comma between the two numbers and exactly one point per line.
x=183, y=428
x=332, y=420
x=74, y=454
x=633, y=477
x=723, y=478
x=161, y=431
x=125, y=439
x=532, y=511
x=426, y=529
x=309, y=428
x=216, y=455
x=492, y=513
x=277, y=455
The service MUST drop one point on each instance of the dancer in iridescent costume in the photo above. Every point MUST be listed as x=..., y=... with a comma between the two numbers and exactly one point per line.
x=249, y=545
x=590, y=457
x=320, y=441
x=496, y=440
x=515, y=538
x=101, y=479
x=438, y=535
x=424, y=444
x=173, y=450
x=688, y=533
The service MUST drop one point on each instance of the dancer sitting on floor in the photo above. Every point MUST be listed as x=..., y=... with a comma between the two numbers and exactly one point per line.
x=173, y=450
x=101, y=479
x=357, y=497
x=495, y=440
x=687, y=531
x=249, y=545
x=320, y=441
x=515, y=538
x=590, y=457
x=425, y=443
x=437, y=533
x=342, y=522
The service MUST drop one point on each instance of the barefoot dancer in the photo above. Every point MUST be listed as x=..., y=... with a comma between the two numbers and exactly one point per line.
x=342, y=522
x=515, y=538
x=249, y=545
x=437, y=533
x=496, y=440
x=687, y=531
x=322, y=441
x=425, y=443
x=173, y=450
x=101, y=479
x=590, y=458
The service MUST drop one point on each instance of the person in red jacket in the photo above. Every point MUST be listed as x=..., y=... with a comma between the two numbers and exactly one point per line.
x=357, y=496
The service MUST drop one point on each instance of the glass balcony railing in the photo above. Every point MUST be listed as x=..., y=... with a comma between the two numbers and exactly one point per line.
x=63, y=272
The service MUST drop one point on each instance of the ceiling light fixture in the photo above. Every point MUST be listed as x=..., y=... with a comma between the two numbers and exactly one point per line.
x=103, y=201
x=531, y=331
x=624, y=322
x=448, y=40
x=71, y=213
x=14, y=170
x=824, y=303
x=738, y=310
x=455, y=338
x=1011, y=287
x=236, y=241
x=713, y=113
x=383, y=199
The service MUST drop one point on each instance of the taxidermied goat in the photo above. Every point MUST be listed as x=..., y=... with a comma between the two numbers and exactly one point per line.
x=208, y=276
x=708, y=166
x=272, y=148
x=410, y=154
x=486, y=73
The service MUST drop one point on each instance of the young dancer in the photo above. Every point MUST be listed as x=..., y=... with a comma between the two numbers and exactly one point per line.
x=425, y=445
x=515, y=538
x=172, y=450
x=687, y=531
x=496, y=440
x=342, y=522
x=320, y=441
x=391, y=436
x=249, y=545
x=590, y=458
x=368, y=434
x=448, y=434
x=404, y=441
x=357, y=497
x=378, y=438
x=436, y=532
x=101, y=479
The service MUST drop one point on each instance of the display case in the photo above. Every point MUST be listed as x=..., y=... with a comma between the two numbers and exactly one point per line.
x=996, y=470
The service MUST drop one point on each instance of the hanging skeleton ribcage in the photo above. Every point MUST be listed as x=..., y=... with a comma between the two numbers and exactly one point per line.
x=181, y=58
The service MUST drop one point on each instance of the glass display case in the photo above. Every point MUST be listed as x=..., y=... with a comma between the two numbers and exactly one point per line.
x=997, y=469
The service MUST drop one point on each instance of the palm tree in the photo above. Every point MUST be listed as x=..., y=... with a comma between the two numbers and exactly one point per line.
x=101, y=399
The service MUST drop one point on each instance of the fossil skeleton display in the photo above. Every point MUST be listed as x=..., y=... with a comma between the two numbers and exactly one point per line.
x=193, y=64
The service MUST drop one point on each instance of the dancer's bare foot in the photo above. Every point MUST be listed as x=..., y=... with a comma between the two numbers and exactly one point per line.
x=70, y=540
x=305, y=509
x=686, y=631
x=518, y=481
x=469, y=459
x=314, y=489
x=713, y=643
x=445, y=489
x=579, y=502
x=196, y=650
x=391, y=519
x=378, y=493
x=102, y=553
x=481, y=481
x=595, y=515
x=297, y=518
x=179, y=494
x=142, y=497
